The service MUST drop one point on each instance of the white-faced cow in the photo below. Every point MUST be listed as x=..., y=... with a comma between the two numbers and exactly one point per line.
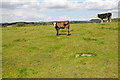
x=105, y=16
x=62, y=25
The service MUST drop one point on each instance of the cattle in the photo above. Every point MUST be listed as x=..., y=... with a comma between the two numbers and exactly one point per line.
x=105, y=16
x=62, y=25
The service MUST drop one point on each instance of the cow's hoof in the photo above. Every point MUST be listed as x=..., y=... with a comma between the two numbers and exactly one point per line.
x=60, y=34
x=68, y=34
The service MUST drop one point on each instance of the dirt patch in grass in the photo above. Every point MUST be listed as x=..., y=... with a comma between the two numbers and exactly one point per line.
x=85, y=54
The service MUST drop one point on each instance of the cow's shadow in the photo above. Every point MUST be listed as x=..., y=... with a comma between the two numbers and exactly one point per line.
x=64, y=34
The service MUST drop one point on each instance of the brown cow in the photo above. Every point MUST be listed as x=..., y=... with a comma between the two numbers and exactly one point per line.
x=62, y=25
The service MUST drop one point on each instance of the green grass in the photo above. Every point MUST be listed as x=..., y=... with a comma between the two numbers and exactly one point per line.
x=36, y=51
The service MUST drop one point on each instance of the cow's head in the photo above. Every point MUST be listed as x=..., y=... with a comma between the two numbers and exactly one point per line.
x=54, y=23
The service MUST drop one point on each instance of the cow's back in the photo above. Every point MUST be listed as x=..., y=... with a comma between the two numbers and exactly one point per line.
x=105, y=15
x=109, y=14
x=62, y=24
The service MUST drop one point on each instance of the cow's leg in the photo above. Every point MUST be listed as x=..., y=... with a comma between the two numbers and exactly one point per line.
x=110, y=19
x=68, y=30
x=101, y=20
x=107, y=19
x=57, y=31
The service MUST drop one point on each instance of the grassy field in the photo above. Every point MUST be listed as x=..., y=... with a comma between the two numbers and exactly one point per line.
x=36, y=51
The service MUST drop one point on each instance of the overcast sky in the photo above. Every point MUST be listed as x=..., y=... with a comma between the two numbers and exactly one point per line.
x=55, y=10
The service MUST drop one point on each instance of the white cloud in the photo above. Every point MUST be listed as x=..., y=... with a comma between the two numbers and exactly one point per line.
x=100, y=4
x=28, y=10
x=63, y=4
x=21, y=15
x=76, y=5
x=64, y=17
x=58, y=18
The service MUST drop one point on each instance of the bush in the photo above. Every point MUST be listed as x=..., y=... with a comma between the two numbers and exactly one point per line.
x=20, y=24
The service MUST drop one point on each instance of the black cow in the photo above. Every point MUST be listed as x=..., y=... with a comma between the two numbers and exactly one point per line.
x=105, y=16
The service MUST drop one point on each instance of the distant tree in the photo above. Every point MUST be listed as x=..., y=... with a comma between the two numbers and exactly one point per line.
x=95, y=20
x=21, y=24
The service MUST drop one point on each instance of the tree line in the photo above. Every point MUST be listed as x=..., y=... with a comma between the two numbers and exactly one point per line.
x=22, y=24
